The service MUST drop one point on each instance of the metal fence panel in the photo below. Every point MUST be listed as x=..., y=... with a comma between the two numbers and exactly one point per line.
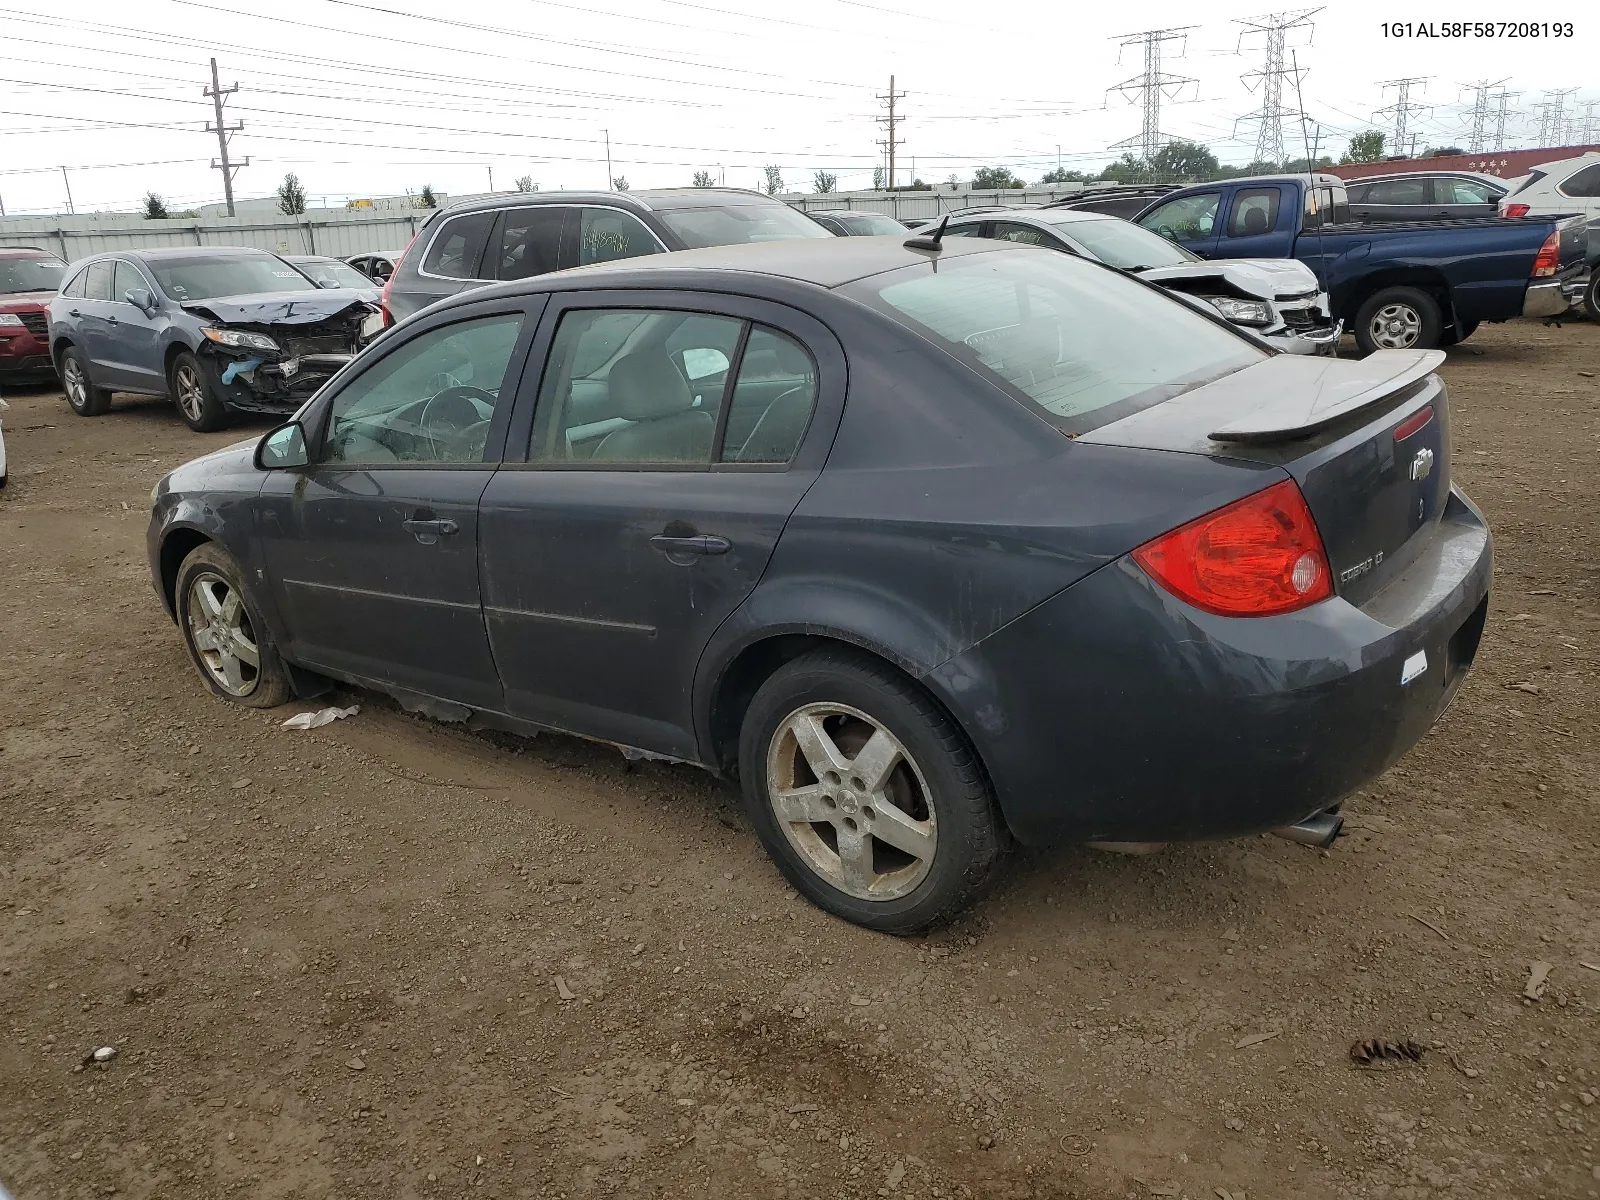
x=337, y=234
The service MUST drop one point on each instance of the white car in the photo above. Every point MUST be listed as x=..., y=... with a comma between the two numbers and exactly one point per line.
x=1568, y=185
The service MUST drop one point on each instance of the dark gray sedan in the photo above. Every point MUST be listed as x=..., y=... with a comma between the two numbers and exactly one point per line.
x=932, y=546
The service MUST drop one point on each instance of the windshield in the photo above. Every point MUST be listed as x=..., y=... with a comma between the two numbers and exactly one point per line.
x=865, y=224
x=737, y=223
x=206, y=277
x=331, y=268
x=1123, y=245
x=30, y=274
x=1080, y=344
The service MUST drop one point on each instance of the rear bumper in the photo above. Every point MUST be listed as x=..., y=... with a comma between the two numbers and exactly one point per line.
x=1114, y=712
x=1547, y=299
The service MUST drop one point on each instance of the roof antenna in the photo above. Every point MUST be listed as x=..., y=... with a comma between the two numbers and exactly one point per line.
x=925, y=242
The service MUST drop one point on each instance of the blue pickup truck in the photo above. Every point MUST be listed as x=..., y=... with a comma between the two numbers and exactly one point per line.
x=1396, y=285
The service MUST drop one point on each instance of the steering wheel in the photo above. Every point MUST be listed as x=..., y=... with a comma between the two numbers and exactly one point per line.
x=453, y=417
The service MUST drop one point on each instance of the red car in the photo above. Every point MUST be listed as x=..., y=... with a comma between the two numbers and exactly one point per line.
x=28, y=279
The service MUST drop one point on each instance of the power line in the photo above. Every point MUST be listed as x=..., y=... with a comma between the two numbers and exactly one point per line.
x=216, y=92
x=1151, y=84
x=1275, y=29
x=1402, y=110
x=890, y=121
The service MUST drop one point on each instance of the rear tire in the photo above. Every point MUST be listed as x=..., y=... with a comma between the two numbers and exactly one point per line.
x=223, y=630
x=833, y=743
x=82, y=396
x=1591, y=298
x=1398, y=318
x=202, y=410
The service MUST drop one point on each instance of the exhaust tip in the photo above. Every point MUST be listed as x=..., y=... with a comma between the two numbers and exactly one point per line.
x=1318, y=831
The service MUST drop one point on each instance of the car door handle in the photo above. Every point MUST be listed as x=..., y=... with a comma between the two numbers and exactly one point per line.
x=72, y=312
x=427, y=530
x=699, y=543
x=112, y=320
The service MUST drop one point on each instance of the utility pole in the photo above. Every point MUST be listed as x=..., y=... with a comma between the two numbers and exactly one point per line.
x=1402, y=110
x=215, y=93
x=892, y=121
x=1275, y=28
x=1501, y=113
x=1151, y=84
x=1552, y=116
x=68, y=182
x=1477, y=140
x=491, y=177
x=611, y=180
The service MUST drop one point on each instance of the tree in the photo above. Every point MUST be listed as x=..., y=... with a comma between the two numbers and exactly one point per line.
x=952, y=183
x=1062, y=175
x=774, y=180
x=1127, y=169
x=291, y=196
x=1364, y=147
x=1183, y=162
x=620, y=183
x=525, y=183
x=877, y=179
x=155, y=208
x=986, y=179
x=824, y=182
x=426, y=198
x=703, y=179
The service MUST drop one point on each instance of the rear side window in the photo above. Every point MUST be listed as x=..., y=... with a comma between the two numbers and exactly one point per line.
x=1255, y=210
x=772, y=400
x=456, y=250
x=1398, y=191
x=530, y=243
x=1011, y=231
x=98, y=286
x=1585, y=183
x=75, y=289
x=607, y=234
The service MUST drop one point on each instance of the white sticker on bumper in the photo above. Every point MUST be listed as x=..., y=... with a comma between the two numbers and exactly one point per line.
x=1414, y=666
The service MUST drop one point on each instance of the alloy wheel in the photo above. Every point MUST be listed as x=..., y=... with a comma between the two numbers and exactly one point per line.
x=220, y=629
x=72, y=382
x=191, y=393
x=852, y=801
x=1396, y=327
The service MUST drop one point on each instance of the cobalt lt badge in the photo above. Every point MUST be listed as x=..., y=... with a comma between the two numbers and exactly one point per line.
x=1422, y=465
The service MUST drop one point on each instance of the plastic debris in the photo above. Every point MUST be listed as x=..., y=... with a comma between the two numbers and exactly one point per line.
x=105, y=1054
x=323, y=716
x=240, y=368
x=1538, y=976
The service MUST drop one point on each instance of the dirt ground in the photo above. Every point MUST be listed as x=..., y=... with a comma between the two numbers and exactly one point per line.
x=335, y=964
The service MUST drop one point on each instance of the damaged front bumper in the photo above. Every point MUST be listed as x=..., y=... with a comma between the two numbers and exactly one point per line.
x=1305, y=326
x=272, y=355
x=256, y=381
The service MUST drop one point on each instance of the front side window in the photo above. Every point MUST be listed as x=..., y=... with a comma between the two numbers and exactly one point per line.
x=1185, y=220
x=734, y=224
x=1585, y=183
x=429, y=401
x=1062, y=335
x=1467, y=191
x=634, y=387
x=530, y=243
x=205, y=277
x=1255, y=210
x=98, y=286
x=1027, y=235
x=606, y=234
x=39, y=274
x=127, y=279
x=456, y=249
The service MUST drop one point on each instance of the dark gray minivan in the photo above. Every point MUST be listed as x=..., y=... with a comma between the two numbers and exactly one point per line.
x=522, y=234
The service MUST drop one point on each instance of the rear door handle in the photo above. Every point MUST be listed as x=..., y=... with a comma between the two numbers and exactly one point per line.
x=699, y=543
x=72, y=312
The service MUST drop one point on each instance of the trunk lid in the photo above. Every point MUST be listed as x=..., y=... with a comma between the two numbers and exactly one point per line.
x=1368, y=442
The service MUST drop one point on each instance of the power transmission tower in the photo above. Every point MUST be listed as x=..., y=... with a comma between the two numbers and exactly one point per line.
x=1501, y=113
x=1477, y=140
x=1151, y=84
x=1275, y=29
x=215, y=93
x=1552, y=116
x=1402, y=110
x=892, y=122
x=1590, y=123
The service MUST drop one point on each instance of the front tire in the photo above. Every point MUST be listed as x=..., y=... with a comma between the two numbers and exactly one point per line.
x=866, y=794
x=198, y=403
x=82, y=396
x=1591, y=298
x=1398, y=318
x=222, y=628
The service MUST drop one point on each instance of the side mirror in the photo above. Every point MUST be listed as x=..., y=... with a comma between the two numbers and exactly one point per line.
x=140, y=299
x=328, y=281
x=282, y=448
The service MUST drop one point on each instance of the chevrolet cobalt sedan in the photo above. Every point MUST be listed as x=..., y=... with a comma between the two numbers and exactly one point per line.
x=931, y=545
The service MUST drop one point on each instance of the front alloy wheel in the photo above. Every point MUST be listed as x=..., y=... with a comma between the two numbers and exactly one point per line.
x=219, y=628
x=852, y=801
x=191, y=392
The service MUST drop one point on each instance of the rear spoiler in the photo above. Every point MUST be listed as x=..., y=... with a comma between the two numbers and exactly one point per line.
x=1327, y=391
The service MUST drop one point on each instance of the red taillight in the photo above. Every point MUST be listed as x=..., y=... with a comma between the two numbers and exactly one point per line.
x=383, y=298
x=1256, y=557
x=1515, y=210
x=1413, y=423
x=1549, y=260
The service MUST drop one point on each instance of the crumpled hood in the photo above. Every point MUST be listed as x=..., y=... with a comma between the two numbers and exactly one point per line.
x=1261, y=278
x=280, y=308
x=13, y=301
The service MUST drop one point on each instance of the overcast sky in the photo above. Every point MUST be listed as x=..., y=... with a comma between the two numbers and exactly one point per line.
x=372, y=97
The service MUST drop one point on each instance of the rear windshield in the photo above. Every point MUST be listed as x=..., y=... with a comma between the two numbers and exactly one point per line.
x=30, y=274
x=737, y=223
x=1122, y=244
x=210, y=276
x=868, y=224
x=1528, y=180
x=1081, y=345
